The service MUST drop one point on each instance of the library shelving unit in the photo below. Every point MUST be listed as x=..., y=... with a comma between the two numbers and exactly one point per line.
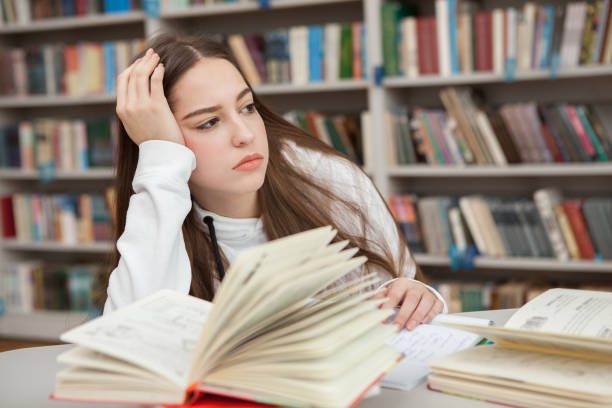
x=583, y=84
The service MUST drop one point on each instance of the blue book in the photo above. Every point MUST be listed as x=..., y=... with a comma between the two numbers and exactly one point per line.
x=364, y=52
x=68, y=8
x=315, y=53
x=452, y=28
x=547, y=33
x=110, y=73
x=3, y=148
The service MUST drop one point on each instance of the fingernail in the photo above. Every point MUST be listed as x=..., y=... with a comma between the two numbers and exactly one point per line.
x=412, y=324
x=149, y=51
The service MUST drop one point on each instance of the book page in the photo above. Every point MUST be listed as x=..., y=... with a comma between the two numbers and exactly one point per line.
x=567, y=311
x=532, y=369
x=420, y=346
x=158, y=333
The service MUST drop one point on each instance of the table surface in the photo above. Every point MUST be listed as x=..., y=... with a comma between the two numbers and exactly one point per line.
x=27, y=378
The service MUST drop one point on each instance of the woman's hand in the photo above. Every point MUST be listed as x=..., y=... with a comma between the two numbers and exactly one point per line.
x=141, y=104
x=418, y=303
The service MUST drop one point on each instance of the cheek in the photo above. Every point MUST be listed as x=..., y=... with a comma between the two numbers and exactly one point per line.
x=209, y=159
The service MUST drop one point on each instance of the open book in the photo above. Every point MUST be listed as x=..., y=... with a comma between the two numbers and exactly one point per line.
x=556, y=351
x=273, y=334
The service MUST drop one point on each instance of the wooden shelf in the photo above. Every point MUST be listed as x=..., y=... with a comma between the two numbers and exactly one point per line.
x=264, y=89
x=514, y=170
x=91, y=174
x=44, y=325
x=220, y=8
x=67, y=23
x=491, y=77
x=323, y=86
x=522, y=263
x=54, y=100
x=94, y=247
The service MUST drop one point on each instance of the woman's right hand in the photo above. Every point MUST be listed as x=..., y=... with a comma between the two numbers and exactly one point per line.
x=142, y=105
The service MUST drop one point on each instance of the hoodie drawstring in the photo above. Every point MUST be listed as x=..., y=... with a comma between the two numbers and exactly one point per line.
x=208, y=220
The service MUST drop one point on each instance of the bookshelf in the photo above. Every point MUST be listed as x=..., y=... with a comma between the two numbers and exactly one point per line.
x=575, y=84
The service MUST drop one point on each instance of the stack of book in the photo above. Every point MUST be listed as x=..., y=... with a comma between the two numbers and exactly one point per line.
x=460, y=38
x=34, y=285
x=85, y=68
x=470, y=133
x=64, y=218
x=342, y=132
x=549, y=226
x=60, y=144
x=303, y=54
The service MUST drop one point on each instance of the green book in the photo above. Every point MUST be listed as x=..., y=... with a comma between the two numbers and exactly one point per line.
x=334, y=136
x=346, y=52
x=432, y=138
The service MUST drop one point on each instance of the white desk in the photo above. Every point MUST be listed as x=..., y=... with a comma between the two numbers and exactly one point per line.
x=27, y=378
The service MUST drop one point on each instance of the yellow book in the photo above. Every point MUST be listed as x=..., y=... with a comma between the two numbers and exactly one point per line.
x=566, y=231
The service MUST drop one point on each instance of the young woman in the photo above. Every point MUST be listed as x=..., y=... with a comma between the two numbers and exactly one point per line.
x=206, y=170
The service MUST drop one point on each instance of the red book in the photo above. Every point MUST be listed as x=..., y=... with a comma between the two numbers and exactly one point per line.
x=8, y=217
x=573, y=210
x=483, y=33
x=427, y=45
x=550, y=142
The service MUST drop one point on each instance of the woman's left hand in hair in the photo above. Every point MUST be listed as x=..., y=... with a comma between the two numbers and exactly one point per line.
x=417, y=304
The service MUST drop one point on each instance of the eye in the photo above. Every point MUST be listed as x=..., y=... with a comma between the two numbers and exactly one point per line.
x=209, y=124
x=250, y=108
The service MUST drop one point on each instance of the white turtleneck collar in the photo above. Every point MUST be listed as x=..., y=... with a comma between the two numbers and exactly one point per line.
x=233, y=234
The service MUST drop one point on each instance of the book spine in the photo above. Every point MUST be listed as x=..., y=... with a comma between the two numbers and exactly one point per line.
x=573, y=210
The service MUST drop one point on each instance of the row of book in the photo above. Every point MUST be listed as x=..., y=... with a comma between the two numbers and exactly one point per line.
x=549, y=226
x=34, y=285
x=85, y=68
x=55, y=144
x=24, y=11
x=63, y=218
x=183, y=4
x=460, y=38
x=342, y=132
x=514, y=133
x=303, y=54
x=471, y=296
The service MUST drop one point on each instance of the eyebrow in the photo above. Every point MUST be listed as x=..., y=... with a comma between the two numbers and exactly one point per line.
x=216, y=107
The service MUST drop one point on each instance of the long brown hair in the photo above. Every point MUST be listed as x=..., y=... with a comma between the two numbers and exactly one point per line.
x=290, y=201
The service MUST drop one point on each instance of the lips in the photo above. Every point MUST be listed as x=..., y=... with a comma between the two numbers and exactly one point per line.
x=248, y=158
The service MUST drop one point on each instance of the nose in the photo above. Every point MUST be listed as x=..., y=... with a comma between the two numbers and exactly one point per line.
x=241, y=133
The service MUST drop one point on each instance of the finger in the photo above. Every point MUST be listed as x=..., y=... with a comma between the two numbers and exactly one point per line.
x=133, y=84
x=382, y=293
x=436, y=309
x=157, y=86
x=395, y=293
x=422, y=309
x=409, y=304
x=143, y=74
x=122, y=85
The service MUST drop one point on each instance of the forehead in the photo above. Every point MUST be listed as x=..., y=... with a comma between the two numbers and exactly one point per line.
x=210, y=81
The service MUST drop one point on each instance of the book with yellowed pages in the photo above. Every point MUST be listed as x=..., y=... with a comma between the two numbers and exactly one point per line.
x=276, y=333
x=555, y=351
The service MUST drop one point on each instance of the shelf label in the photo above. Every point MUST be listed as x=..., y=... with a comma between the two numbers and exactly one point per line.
x=379, y=75
x=555, y=61
x=151, y=8
x=47, y=172
x=510, y=69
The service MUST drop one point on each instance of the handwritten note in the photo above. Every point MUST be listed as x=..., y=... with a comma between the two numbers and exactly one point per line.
x=422, y=345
